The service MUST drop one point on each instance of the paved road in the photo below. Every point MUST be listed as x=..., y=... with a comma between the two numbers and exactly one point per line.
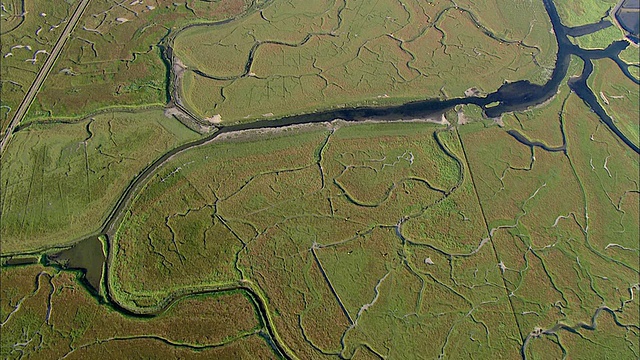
x=42, y=74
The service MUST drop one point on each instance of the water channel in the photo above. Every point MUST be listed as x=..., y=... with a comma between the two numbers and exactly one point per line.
x=514, y=96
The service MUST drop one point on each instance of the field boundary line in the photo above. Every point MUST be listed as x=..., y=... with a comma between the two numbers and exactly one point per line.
x=489, y=233
x=43, y=73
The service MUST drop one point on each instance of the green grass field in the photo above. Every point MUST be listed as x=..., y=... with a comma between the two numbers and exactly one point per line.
x=293, y=226
x=619, y=96
x=333, y=240
x=30, y=29
x=631, y=55
x=222, y=325
x=562, y=222
x=576, y=13
x=600, y=39
x=327, y=254
x=332, y=55
x=113, y=59
x=61, y=180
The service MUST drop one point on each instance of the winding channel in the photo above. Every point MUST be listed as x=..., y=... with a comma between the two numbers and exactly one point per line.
x=515, y=96
x=511, y=97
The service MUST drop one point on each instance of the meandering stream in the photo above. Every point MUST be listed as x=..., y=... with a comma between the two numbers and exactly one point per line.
x=515, y=96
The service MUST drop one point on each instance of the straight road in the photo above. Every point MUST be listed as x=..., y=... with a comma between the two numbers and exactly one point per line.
x=42, y=74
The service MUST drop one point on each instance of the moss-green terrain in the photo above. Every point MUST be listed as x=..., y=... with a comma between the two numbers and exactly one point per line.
x=451, y=235
x=30, y=29
x=619, y=96
x=54, y=316
x=61, y=179
x=292, y=58
x=576, y=13
x=113, y=58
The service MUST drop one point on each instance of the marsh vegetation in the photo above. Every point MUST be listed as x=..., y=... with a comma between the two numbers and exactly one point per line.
x=275, y=235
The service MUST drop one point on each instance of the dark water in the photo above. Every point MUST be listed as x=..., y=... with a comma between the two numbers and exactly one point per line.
x=22, y=261
x=580, y=87
x=629, y=18
x=582, y=30
x=87, y=256
x=523, y=139
x=513, y=96
x=629, y=21
x=510, y=97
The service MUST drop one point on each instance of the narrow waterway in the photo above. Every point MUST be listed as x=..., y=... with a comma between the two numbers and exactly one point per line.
x=515, y=96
